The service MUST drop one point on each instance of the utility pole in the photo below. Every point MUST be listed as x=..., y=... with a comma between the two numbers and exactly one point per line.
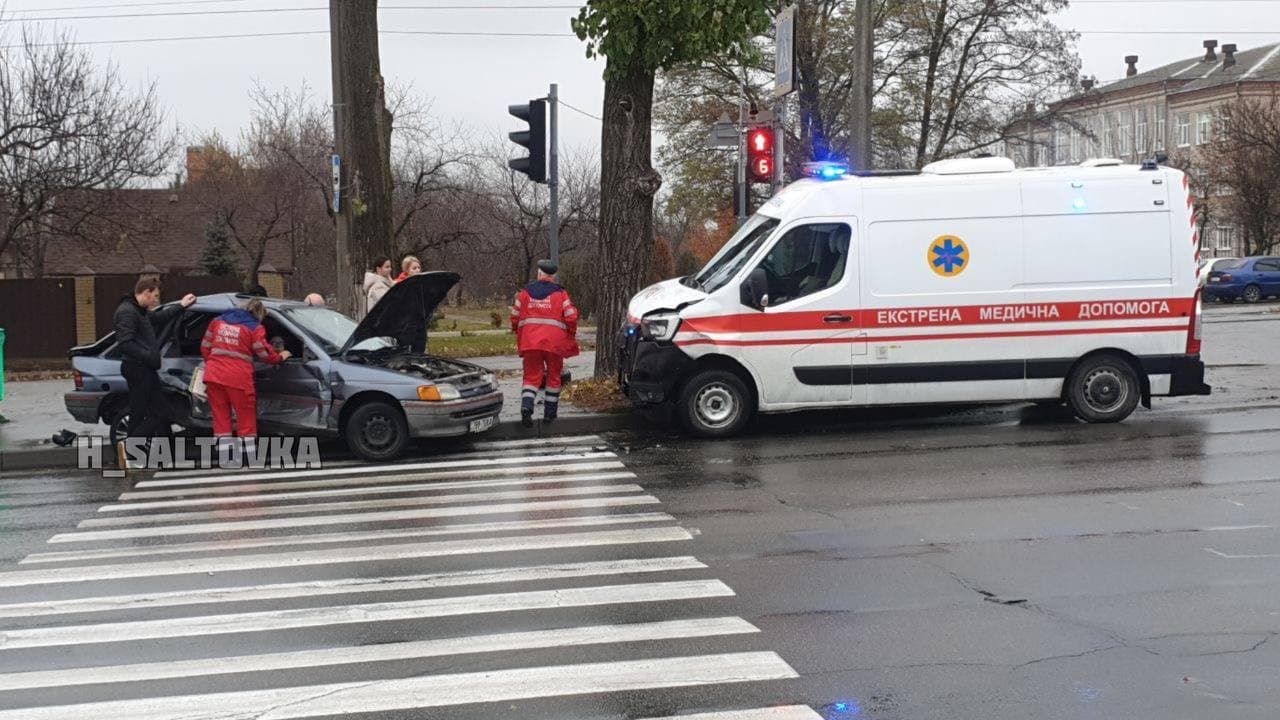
x=553, y=174
x=860, y=148
x=362, y=142
x=742, y=162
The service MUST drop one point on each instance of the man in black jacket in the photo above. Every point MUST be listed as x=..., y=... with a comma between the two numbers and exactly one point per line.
x=136, y=327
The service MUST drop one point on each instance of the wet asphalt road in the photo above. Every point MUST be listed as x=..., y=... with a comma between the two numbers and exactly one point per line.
x=945, y=563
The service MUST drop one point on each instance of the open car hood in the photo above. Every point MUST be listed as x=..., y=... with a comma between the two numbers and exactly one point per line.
x=406, y=308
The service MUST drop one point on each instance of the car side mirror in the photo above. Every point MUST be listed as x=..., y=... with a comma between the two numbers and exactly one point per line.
x=755, y=290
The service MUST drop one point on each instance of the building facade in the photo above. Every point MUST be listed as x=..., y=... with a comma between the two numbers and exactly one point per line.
x=1170, y=110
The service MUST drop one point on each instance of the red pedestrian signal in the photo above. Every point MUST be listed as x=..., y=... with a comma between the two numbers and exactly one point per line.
x=760, y=166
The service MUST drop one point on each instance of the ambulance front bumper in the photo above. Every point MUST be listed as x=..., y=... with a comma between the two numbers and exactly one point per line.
x=649, y=371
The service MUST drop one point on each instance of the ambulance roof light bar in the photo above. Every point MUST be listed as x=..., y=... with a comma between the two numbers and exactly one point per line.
x=825, y=170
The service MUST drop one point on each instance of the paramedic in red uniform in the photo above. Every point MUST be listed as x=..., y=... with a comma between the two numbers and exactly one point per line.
x=546, y=326
x=230, y=344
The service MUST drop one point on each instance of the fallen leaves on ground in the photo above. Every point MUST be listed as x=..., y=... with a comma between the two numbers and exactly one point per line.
x=597, y=395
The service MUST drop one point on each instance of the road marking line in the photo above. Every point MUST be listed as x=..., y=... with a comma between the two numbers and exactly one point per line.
x=538, y=442
x=789, y=712
x=330, y=556
x=371, y=470
x=352, y=518
x=1236, y=528
x=504, y=475
x=358, y=491
x=347, y=586
x=361, y=613
x=328, y=538
x=1226, y=556
x=352, y=698
x=502, y=642
x=304, y=508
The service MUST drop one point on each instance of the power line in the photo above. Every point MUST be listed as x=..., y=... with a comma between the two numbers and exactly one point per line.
x=125, y=5
x=578, y=110
x=292, y=33
x=258, y=11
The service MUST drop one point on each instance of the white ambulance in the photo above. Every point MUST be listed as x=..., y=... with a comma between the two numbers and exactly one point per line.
x=970, y=281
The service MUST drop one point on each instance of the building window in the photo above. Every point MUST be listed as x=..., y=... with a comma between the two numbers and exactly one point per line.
x=1160, y=136
x=1126, y=140
x=1061, y=145
x=1075, y=145
x=1107, y=143
x=1204, y=128
x=1140, y=131
x=1042, y=155
x=1224, y=238
x=1184, y=130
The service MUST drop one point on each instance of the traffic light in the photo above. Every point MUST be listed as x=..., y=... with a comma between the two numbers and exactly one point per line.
x=535, y=139
x=760, y=164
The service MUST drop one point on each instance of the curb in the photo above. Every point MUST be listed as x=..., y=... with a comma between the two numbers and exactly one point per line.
x=60, y=458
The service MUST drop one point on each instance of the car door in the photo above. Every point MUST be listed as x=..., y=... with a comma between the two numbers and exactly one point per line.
x=811, y=319
x=294, y=395
x=180, y=356
x=1267, y=271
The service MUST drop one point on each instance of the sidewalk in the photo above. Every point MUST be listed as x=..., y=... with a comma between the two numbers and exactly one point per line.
x=35, y=408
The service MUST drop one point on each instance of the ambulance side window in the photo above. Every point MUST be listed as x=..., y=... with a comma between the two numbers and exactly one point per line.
x=806, y=260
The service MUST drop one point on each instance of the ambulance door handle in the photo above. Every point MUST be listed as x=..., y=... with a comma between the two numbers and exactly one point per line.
x=833, y=319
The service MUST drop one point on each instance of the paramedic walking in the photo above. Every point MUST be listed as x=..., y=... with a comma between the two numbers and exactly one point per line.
x=546, y=326
x=230, y=344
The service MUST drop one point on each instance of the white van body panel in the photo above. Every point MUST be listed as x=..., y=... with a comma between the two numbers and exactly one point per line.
x=1046, y=266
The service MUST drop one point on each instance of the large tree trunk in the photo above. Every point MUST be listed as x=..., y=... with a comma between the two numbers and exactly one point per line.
x=628, y=183
x=362, y=133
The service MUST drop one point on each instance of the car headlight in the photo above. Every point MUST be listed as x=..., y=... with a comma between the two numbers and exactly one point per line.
x=443, y=391
x=660, y=327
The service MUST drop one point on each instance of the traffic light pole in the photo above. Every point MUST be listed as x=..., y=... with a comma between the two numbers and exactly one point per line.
x=553, y=175
x=742, y=162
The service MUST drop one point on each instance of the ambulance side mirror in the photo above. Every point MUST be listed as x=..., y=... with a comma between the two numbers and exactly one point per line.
x=755, y=290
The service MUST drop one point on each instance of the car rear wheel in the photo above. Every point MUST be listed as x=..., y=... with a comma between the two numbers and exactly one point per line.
x=715, y=403
x=118, y=424
x=1252, y=294
x=377, y=431
x=1103, y=389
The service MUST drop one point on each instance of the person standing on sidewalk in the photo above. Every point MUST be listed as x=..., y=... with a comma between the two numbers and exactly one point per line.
x=546, y=326
x=229, y=346
x=136, y=322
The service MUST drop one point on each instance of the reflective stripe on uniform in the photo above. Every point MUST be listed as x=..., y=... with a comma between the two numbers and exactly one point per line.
x=543, y=321
x=230, y=353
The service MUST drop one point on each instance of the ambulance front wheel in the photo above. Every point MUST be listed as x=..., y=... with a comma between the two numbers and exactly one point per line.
x=1103, y=389
x=714, y=403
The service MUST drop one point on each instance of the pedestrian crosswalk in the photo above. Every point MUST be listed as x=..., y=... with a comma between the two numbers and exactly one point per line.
x=532, y=579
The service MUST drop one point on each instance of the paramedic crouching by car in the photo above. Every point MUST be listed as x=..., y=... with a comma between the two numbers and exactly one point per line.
x=135, y=325
x=229, y=346
x=546, y=326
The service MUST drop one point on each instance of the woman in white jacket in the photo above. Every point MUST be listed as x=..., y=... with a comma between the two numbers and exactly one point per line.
x=377, y=283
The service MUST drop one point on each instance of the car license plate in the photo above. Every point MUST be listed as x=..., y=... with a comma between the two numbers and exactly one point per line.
x=482, y=424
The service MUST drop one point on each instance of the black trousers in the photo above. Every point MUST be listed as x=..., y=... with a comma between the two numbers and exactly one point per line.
x=146, y=409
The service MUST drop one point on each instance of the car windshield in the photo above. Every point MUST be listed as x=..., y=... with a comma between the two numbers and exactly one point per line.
x=329, y=329
x=735, y=254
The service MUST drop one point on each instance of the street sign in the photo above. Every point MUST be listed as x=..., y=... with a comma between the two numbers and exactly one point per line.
x=784, y=59
x=337, y=181
x=723, y=134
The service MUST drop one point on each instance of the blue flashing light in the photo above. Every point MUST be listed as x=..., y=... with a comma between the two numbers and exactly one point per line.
x=1079, y=203
x=826, y=170
x=632, y=329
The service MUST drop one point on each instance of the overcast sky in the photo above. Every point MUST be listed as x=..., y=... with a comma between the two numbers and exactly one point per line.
x=472, y=79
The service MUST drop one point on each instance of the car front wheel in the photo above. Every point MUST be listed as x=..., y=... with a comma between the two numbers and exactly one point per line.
x=1103, y=389
x=715, y=403
x=377, y=431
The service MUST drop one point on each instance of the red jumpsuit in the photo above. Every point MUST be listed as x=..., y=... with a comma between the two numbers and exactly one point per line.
x=546, y=326
x=229, y=347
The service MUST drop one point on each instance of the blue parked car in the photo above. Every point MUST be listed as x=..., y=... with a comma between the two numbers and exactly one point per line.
x=1251, y=279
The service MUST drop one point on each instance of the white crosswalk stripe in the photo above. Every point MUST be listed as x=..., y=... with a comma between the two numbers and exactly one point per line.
x=552, y=539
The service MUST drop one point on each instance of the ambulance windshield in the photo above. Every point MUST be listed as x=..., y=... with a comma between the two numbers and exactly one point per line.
x=734, y=255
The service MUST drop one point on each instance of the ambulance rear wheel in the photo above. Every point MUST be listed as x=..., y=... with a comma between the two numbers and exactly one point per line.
x=1103, y=389
x=714, y=403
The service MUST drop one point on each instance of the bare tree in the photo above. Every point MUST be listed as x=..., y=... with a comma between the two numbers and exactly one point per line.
x=1243, y=164
x=69, y=131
